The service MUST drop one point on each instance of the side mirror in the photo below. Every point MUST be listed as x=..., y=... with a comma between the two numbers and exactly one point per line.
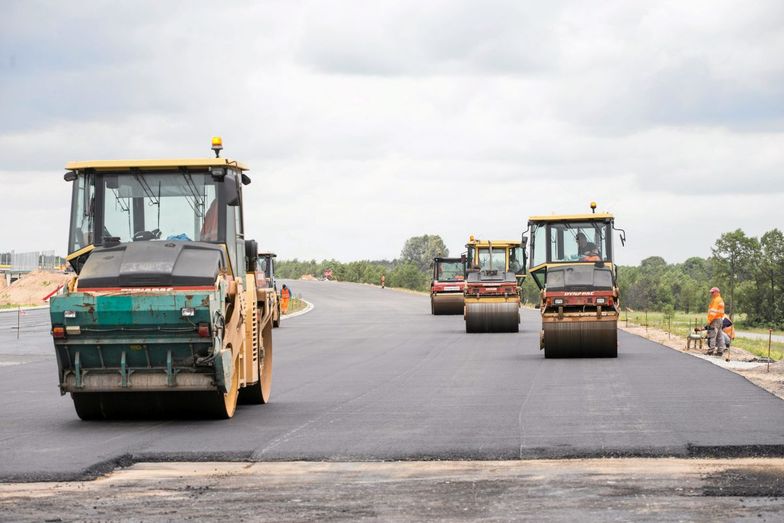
x=524, y=240
x=232, y=193
x=69, y=176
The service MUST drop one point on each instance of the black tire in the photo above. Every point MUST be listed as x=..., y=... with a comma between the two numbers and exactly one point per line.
x=259, y=392
x=88, y=405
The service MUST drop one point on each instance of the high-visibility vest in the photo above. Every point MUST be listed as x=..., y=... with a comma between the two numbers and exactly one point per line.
x=285, y=294
x=715, y=309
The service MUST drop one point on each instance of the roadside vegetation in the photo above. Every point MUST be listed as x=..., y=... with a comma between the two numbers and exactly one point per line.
x=410, y=271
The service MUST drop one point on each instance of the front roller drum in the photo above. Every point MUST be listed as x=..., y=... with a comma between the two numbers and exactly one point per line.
x=443, y=304
x=492, y=317
x=580, y=339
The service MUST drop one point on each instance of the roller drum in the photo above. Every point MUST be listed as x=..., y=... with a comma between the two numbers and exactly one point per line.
x=580, y=339
x=441, y=304
x=148, y=405
x=492, y=317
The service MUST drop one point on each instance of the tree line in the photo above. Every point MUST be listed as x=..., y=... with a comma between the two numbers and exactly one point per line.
x=748, y=270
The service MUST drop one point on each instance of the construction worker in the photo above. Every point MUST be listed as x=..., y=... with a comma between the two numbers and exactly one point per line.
x=383, y=281
x=582, y=244
x=715, y=322
x=591, y=253
x=728, y=330
x=285, y=296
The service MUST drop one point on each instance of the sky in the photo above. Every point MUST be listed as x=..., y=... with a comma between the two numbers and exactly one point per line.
x=366, y=123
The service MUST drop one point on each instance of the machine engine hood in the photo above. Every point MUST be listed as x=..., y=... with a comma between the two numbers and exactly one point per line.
x=153, y=264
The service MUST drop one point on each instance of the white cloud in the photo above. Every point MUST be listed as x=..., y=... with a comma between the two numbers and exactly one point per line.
x=373, y=122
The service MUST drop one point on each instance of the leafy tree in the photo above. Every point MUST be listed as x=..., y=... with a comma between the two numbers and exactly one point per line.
x=733, y=255
x=420, y=250
x=409, y=276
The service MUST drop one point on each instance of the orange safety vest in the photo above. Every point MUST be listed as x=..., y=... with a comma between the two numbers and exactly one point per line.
x=285, y=294
x=716, y=309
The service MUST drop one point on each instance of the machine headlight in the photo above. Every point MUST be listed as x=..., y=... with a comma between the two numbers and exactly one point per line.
x=558, y=301
x=188, y=312
x=69, y=314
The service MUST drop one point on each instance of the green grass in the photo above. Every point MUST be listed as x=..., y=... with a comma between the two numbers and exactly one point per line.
x=682, y=324
x=295, y=305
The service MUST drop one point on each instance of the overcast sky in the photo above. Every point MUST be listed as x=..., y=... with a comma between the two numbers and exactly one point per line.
x=367, y=122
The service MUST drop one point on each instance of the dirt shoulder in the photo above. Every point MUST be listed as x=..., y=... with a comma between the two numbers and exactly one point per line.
x=769, y=377
x=541, y=490
x=30, y=289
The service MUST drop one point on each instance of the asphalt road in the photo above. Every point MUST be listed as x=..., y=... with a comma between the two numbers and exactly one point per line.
x=369, y=374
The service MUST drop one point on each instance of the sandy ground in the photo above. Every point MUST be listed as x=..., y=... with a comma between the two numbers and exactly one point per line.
x=540, y=490
x=31, y=288
x=769, y=377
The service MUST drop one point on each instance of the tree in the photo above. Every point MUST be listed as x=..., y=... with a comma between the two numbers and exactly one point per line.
x=733, y=255
x=420, y=250
x=409, y=276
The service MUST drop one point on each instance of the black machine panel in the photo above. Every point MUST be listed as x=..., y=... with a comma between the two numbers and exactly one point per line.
x=153, y=264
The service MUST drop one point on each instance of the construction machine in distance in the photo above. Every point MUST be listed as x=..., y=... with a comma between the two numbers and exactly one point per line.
x=572, y=264
x=267, y=284
x=446, y=288
x=494, y=274
x=163, y=318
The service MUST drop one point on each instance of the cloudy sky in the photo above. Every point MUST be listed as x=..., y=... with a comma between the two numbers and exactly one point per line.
x=365, y=123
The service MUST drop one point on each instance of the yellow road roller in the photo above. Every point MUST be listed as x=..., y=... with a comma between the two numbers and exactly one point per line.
x=494, y=274
x=572, y=264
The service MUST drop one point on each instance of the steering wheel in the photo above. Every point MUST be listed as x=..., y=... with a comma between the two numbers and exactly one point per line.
x=147, y=235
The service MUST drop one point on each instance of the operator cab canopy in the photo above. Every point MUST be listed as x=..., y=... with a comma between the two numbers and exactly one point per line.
x=576, y=239
x=122, y=201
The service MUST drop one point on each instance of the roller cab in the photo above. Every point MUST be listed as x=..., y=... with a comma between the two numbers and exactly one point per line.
x=163, y=317
x=572, y=264
x=494, y=274
x=447, y=286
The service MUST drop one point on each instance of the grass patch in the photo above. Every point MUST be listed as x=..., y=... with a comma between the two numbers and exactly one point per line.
x=9, y=306
x=296, y=305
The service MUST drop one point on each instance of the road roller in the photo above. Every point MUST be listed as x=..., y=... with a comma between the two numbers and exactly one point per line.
x=163, y=318
x=572, y=264
x=446, y=288
x=267, y=284
x=494, y=274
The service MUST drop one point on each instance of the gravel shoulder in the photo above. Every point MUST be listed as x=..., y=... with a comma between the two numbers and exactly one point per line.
x=541, y=490
x=769, y=377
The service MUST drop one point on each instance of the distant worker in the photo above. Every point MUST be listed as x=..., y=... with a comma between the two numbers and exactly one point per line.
x=285, y=296
x=716, y=322
x=591, y=253
x=383, y=281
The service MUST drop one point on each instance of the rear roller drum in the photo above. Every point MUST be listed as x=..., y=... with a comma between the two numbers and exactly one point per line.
x=492, y=317
x=443, y=305
x=580, y=339
x=259, y=392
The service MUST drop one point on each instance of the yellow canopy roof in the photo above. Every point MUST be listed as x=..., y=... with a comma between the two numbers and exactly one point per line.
x=572, y=217
x=173, y=163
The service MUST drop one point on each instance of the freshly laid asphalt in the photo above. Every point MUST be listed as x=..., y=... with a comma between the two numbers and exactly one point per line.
x=370, y=375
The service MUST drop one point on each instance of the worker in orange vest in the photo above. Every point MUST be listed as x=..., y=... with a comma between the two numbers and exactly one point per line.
x=285, y=296
x=715, y=322
x=383, y=281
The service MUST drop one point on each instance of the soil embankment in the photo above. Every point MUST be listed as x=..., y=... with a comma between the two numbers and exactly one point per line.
x=30, y=289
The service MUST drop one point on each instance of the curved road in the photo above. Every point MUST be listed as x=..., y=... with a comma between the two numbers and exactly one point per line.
x=369, y=374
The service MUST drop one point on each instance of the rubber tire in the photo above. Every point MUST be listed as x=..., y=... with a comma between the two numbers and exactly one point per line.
x=259, y=392
x=87, y=405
